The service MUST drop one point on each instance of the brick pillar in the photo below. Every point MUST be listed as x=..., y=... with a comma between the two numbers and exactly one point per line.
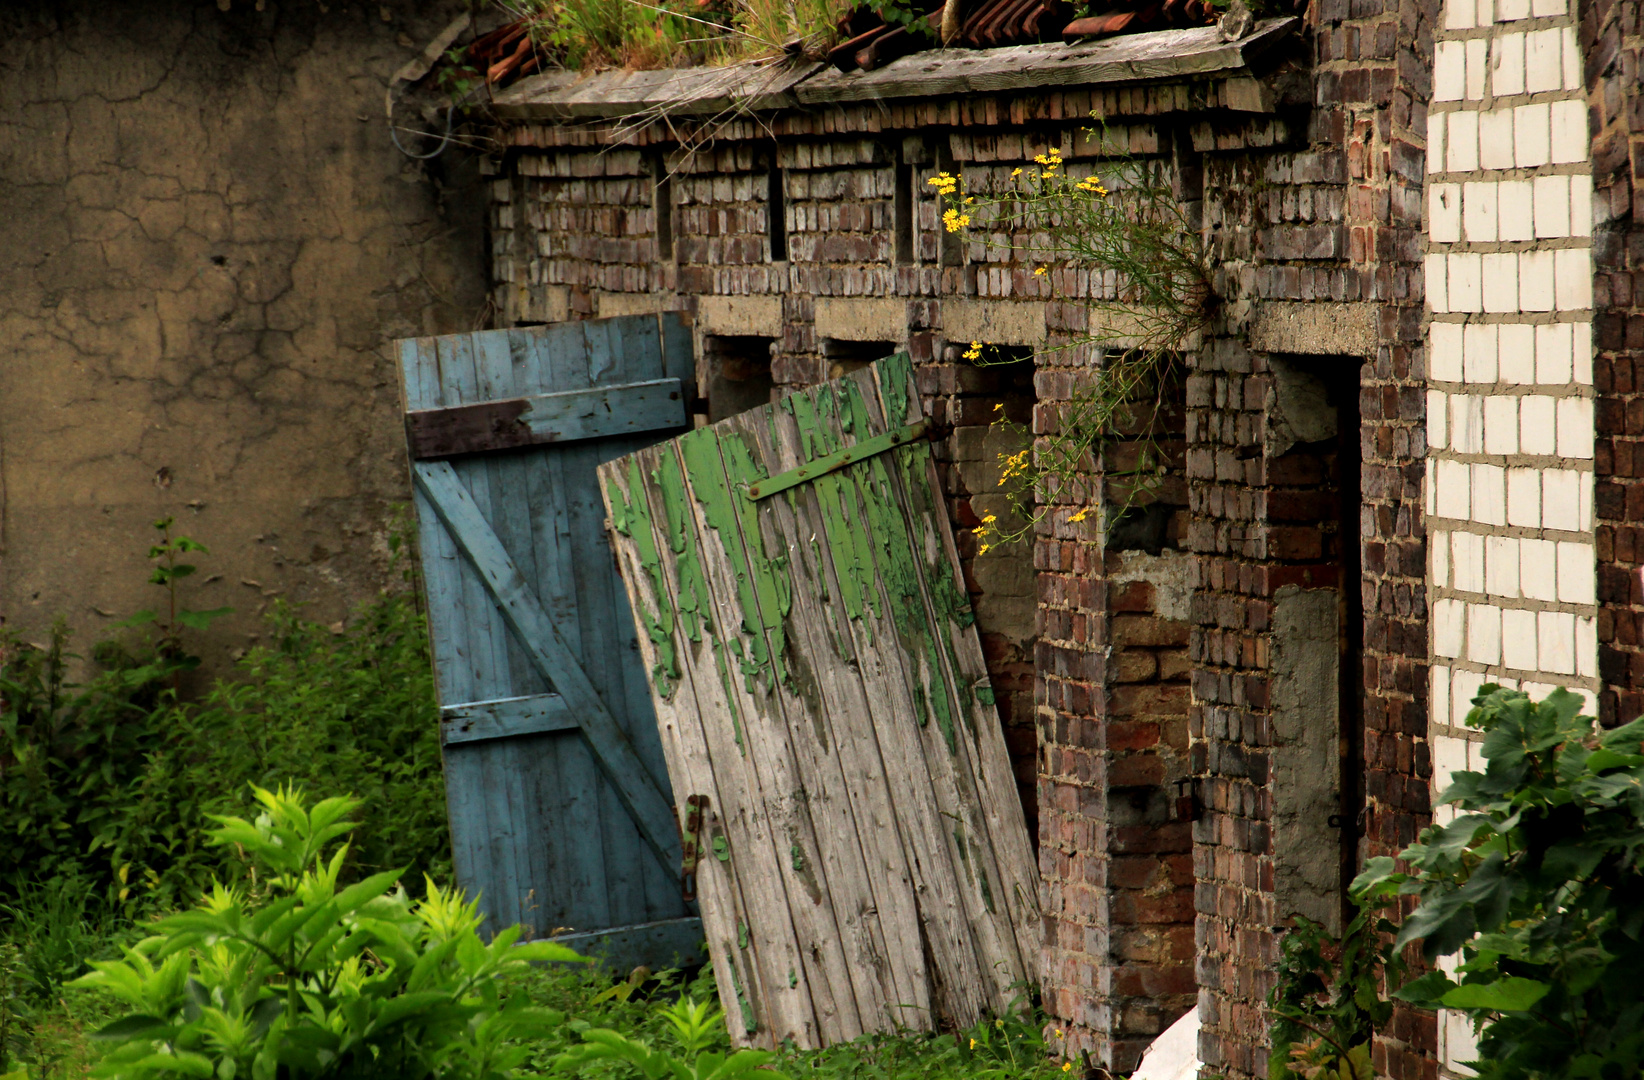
x=1112, y=703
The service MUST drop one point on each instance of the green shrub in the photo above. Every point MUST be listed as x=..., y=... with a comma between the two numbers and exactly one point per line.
x=1326, y=1004
x=105, y=783
x=297, y=977
x=1539, y=883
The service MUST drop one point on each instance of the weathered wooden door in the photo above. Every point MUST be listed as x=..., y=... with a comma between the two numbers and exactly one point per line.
x=827, y=718
x=558, y=793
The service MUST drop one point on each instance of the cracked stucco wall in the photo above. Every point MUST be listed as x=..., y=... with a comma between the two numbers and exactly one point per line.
x=207, y=241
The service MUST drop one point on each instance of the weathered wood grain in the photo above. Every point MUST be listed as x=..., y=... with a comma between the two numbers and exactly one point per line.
x=815, y=674
x=538, y=830
x=511, y=422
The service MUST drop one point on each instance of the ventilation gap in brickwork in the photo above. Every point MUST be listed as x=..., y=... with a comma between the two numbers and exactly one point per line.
x=950, y=248
x=902, y=204
x=738, y=373
x=776, y=213
x=662, y=200
x=844, y=357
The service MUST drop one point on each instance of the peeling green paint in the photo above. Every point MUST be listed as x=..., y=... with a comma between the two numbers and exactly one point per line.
x=984, y=694
x=971, y=856
x=722, y=847
x=741, y=934
x=716, y=465
x=633, y=519
x=750, y=1022
x=802, y=867
x=793, y=978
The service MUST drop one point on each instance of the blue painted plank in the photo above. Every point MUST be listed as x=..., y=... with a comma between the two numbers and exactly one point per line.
x=512, y=421
x=668, y=942
x=514, y=598
x=477, y=721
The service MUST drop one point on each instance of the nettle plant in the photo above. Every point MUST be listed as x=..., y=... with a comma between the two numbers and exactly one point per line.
x=294, y=977
x=1538, y=885
x=166, y=574
x=1129, y=223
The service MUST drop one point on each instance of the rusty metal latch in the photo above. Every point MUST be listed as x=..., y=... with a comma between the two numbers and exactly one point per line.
x=690, y=845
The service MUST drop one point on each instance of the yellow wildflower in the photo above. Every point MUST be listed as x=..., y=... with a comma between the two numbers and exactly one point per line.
x=999, y=407
x=1000, y=1024
x=1067, y=1066
x=983, y=550
x=1083, y=513
x=1041, y=272
x=1059, y=1033
x=974, y=352
x=973, y=1041
x=1015, y=173
x=989, y=519
x=953, y=220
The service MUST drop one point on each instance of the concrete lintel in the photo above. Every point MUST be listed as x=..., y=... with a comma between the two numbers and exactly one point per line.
x=740, y=315
x=1321, y=328
x=865, y=318
x=994, y=322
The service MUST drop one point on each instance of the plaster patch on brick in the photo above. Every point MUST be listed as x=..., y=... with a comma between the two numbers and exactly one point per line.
x=611, y=304
x=995, y=322
x=741, y=315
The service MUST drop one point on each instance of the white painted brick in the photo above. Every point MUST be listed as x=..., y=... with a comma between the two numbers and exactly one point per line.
x=1524, y=497
x=1586, y=646
x=1461, y=141
x=1433, y=267
x=1484, y=633
x=1535, y=280
x=1543, y=66
x=1449, y=756
x=1438, y=694
x=1507, y=72
x=1538, y=569
x=1555, y=353
x=1555, y=638
x=1581, y=352
x=1572, y=59
x=1575, y=428
x=1452, y=489
x=1500, y=270
x=1444, y=213
x=1495, y=139
x=1545, y=9
x=1512, y=10
x=1569, y=131
x=1577, y=573
x=1479, y=352
x=1562, y=506
x=1437, y=413
x=1448, y=624
x=1537, y=430
x=1489, y=494
x=1531, y=133
x=1486, y=12
x=1464, y=281
x=1500, y=424
x=1574, y=278
x=1435, y=142
x=1501, y=566
x=1536, y=690
x=1515, y=209
x=1478, y=212
x=1478, y=68
x=1581, y=206
x=1449, y=71
x=1460, y=14
x=1463, y=689
x=1445, y=351
x=1552, y=206
x=1518, y=639
x=1467, y=561
x=1467, y=423
x=1438, y=548
x=1517, y=353
x=1456, y=1034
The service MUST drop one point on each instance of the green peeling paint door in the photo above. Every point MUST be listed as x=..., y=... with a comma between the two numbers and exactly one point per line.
x=558, y=793
x=826, y=716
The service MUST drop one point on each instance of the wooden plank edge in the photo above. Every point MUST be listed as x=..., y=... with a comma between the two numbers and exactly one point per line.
x=666, y=943
x=505, y=718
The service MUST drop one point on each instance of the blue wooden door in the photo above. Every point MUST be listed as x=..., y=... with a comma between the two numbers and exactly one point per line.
x=559, y=800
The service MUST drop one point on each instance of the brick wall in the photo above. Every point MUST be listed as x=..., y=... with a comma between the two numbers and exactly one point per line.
x=1609, y=42
x=1510, y=422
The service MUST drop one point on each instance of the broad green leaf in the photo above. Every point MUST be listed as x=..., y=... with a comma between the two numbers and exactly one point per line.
x=1510, y=994
x=128, y=1027
x=548, y=952
x=1425, y=991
